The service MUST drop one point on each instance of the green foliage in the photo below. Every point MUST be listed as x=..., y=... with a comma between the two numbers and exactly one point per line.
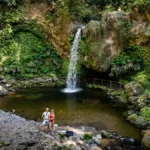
x=6, y=33
x=143, y=78
x=76, y=10
x=146, y=57
x=64, y=68
x=124, y=63
x=12, y=3
x=113, y=3
x=124, y=34
x=24, y=54
x=145, y=112
x=87, y=137
x=83, y=46
x=61, y=136
x=64, y=148
x=131, y=59
x=13, y=15
x=143, y=5
x=30, y=27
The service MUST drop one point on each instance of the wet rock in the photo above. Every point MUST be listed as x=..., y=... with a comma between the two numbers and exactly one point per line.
x=133, y=88
x=137, y=120
x=95, y=147
x=23, y=134
x=31, y=142
x=91, y=141
x=4, y=81
x=106, y=134
x=74, y=138
x=97, y=141
x=133, y=100
x=40, y=148
x=130, y=112
x=73, y=147
x=146, y=140
x=126, y=140
x=3, y=91
x=54, y=78
x=108, y=46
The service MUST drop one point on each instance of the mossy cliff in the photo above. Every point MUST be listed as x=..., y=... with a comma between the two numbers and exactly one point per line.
x=36, y=35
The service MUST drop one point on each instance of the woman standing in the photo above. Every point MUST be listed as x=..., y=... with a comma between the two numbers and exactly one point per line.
x=51, y=119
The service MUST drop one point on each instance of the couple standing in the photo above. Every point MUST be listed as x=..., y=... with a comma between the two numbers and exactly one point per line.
x=48, y=120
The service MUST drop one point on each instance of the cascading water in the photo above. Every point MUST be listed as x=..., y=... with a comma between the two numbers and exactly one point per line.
x=72, y=72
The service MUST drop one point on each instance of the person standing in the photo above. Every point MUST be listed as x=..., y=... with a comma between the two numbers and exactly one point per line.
x=52, y=120
x=45, y=117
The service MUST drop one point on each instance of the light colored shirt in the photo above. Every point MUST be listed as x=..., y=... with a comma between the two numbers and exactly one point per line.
x=46, y=115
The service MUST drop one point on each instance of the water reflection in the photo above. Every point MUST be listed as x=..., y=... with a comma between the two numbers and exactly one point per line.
x=71, y=106
x=88, y=107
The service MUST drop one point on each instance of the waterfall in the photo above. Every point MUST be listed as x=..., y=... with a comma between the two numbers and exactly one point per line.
x=72, y=72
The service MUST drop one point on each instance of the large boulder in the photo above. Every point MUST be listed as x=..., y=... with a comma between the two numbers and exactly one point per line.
x=133, y=88
x=146, y=140
x=140, y=26
x=3, y=91
x=133, y=100
x=100, y=49
x=136, y=120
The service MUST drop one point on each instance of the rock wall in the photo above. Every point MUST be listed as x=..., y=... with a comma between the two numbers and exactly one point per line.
x=104, y=40
x=141, y=26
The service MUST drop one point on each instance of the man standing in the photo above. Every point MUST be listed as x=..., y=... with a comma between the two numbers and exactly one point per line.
x=45, y=117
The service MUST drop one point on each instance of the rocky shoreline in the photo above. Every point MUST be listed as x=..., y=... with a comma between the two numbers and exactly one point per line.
x=133, y=101
x=134, y=98
x=11, y=85
x=17, y=133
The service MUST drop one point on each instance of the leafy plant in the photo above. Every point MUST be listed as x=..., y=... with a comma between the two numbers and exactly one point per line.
x=131, y=59
x=87, y=137
x=145, y=112
x=27, y=53
x=61, y=136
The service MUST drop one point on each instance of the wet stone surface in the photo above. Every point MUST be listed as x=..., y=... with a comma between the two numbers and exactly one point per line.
x=20, y=134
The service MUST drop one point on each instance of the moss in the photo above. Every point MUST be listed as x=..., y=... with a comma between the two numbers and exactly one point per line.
x=28, y=55
x=61, y=136
x=133, y=116
x=145, y=112
x=2, y=144
x=87, y=137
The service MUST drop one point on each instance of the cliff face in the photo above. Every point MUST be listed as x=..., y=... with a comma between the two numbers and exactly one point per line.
x=141, y=26
x=102, y=40
x=105, y=40
x=57, y=29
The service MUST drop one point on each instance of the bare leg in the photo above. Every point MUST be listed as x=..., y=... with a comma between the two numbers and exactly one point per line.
x=52, y=126
x=41, y=127
x=50, y=129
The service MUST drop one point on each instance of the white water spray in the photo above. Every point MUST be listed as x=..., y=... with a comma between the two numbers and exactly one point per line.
x=72, y=72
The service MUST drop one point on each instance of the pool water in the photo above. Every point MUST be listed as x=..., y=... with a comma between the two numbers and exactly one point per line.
x=88, y=107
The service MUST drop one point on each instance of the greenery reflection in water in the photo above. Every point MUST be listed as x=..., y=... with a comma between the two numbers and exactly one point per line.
x=88, y=107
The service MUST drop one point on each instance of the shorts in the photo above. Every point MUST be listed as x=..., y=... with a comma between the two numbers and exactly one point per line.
x=45, y=122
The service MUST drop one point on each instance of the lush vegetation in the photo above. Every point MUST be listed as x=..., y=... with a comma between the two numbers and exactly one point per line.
x=25, y=50
x=26, y=54
x=130, y=60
